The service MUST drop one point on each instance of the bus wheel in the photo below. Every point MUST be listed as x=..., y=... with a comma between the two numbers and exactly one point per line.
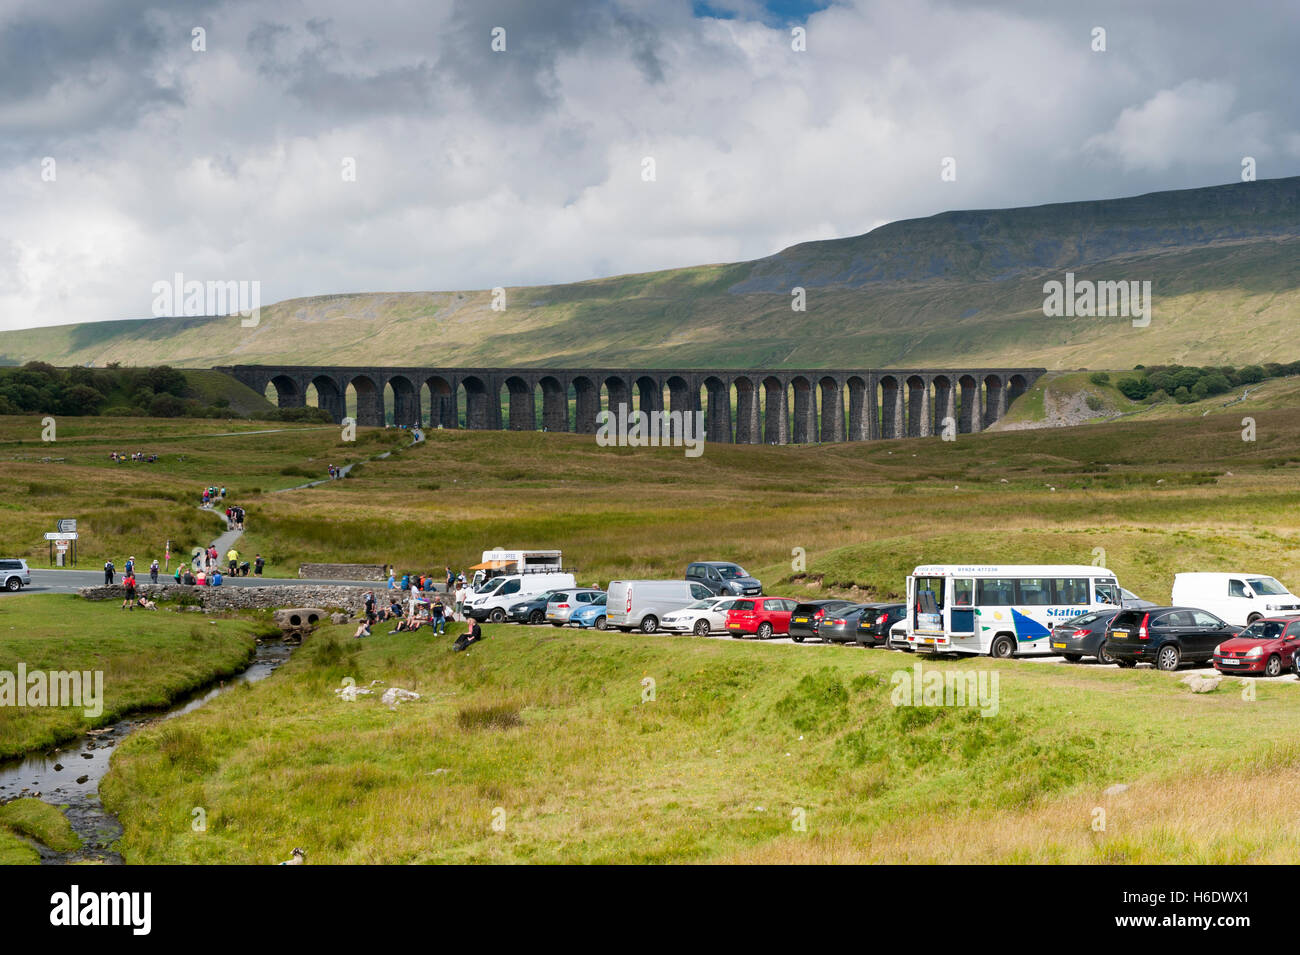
x=1003, y=647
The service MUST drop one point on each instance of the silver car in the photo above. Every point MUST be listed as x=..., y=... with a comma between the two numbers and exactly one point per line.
x=14, y=574
x=563, y=602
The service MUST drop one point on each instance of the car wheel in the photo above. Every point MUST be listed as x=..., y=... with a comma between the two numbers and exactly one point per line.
x=649, y=624
x=1104, y=654
x=797, y=638
x=600, y=623
x=765, y=632
x=1168, y=657
x=497, y=615
x=1073, y=657
x=13, y=583
x=1253, y=617
x=1125, y=664
x=535, y=617
x=1274, y=666
x=701, y=628
x=1003, y=647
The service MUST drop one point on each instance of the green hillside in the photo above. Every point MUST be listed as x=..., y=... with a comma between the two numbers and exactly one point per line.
x=955, y=288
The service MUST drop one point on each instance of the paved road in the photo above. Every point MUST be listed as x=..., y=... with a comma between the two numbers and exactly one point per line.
x=68, y=581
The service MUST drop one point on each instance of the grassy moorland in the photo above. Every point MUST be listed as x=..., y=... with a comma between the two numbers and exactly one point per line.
x=147, y=660
x=1156, y=494
x=549, y=735
x=25, y=821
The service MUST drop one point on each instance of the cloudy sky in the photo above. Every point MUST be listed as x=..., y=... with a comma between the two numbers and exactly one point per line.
x=476, y=168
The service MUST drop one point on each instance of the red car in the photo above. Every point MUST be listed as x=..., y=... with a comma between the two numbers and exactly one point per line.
x=1267, y=646
x=764, y=616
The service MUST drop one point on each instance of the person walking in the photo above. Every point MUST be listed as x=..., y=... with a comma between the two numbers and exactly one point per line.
x=129, y=567
x=153, y=570
x=258, y=564
x=439, y=617
x=109, y=570
x=459, y=607
x=451, y=579
x=128, y=583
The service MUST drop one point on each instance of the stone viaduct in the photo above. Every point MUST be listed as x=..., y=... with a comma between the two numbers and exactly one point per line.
x=769, y=407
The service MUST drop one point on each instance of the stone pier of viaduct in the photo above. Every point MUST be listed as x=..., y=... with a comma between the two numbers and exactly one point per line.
x=742, y=406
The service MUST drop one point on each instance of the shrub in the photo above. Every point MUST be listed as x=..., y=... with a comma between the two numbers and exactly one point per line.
x=1134, y=389
x=1099, y=378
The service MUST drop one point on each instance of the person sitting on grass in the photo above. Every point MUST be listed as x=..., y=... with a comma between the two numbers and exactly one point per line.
x=146, y=603
x=473, y=634
x=363, y=629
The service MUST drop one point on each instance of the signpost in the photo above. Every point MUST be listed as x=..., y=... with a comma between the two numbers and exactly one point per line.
x=63, y=542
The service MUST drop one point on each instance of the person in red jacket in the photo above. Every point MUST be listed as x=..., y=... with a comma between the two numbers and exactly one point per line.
x=128, y=582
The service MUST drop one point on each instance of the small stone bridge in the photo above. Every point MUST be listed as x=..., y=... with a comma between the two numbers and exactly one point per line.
x=769, y=407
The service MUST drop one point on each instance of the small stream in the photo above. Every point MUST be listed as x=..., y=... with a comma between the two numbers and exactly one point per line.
x=68, y=775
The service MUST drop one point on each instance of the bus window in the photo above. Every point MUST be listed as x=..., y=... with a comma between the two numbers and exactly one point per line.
x=1108, y=593
x=963, y=591
x=1034, y=592
x=1070, y=590
x=995, y=592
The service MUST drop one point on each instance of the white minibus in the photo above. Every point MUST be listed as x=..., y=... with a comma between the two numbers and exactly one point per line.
x=1001, y=610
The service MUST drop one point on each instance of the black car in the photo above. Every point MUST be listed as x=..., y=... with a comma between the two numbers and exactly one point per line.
x=1083, y=636
x=807, y=617
x=723, y=578
x=873, y=627
x=1165, y=636
x=841, y=626
x=532, y=610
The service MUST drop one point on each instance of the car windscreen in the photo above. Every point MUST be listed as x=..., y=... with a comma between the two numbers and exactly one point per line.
x=490, y=585
x=1266, y=586
x=731, y=571
x=700, y=605
x=1263, y=630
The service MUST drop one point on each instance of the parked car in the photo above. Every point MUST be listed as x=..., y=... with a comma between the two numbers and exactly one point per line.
x=700, y=618
x=898, y=636
x=874, y=627
x=807, y=617
x=15, y=574
x=1237, y=598
x=530, y=611
x=723, y=578
x=1267, y=646
x=1083, y=636
x=1165, y=636
x=764, y=617
x=512, y=589
x=1131, y=601
x=563, y=602
x=590, y=616
x=840, y=625
x=643, y=603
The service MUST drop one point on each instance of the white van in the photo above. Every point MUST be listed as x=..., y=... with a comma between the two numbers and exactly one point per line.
x=1240, y=599
x=643, y=603
x=495, y=603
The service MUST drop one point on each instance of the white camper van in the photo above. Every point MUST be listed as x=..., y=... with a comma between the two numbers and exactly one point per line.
x=494, y=603
x=1240, y=599
x=643, y=603
x=499, y=562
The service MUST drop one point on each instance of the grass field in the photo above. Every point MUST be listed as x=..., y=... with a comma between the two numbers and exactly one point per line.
x=549, y=735
x=148, y=659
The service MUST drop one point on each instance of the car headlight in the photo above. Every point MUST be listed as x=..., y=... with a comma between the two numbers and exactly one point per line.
x=1254, y=652
x=1219, y=650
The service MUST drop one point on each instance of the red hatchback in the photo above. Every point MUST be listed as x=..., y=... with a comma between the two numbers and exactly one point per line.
x=1267, y=646
x=764, y=616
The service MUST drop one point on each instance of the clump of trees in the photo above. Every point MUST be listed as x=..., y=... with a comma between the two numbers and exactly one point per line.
x=1187, y=383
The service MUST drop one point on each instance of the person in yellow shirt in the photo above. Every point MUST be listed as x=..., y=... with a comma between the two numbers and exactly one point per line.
x=232, y=556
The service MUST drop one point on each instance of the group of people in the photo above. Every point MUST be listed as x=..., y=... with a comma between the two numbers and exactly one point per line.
x=234, y=518
x=418, y=612
x=213, y=494
x=132, y=598
x=199, y=578
x=133, y=456
x=335, y=472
